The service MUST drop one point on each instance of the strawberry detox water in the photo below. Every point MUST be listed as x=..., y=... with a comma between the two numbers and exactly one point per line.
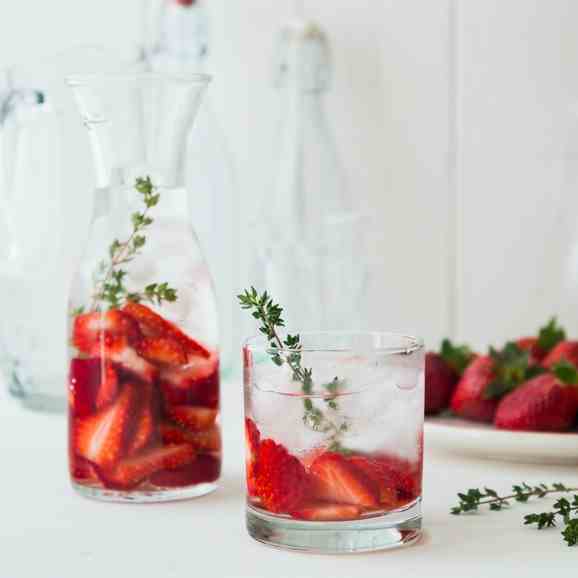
x=143, y=386
x=334, y=441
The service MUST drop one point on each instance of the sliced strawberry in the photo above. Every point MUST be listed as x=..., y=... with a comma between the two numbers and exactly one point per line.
x=163, y=350
x=397, y=478
x=282, y=481
x=252, y=437
x=337, y=480
x=383, y=477
x=193, y=418
x=105, y=329
x=252, y=442
x=247, y=365
x=407, y=473
x=311, y=455
x=173, y=434
x=203, y=441
x=81, y=470
x=144, y=429
x=93, y=384
x=101, y=438
x=326, y=512
x=204, y=469
x=153, y=325
x=206, y=441
x=132, y=365
x=130, y=472
x=196, y=383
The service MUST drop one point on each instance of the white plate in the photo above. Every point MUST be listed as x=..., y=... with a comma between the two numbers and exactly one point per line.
x=484, y=440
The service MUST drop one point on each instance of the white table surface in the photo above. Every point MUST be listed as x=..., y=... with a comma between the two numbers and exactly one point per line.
x=47, y=531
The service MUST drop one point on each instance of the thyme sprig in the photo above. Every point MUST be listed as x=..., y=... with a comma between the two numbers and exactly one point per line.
x=289, y=351
x=565, y=510
x=110, y=286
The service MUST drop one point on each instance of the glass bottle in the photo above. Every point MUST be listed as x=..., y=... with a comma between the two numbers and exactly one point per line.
x=144, y=360
x=177, y=40
x=310, y=241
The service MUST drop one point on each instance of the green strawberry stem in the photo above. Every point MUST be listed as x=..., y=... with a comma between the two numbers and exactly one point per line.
x=512, y=368
x=550, y=335
x=566, y=372
x=457, y=357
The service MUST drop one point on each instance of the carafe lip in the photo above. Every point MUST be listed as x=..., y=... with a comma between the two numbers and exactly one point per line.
x=76, y=80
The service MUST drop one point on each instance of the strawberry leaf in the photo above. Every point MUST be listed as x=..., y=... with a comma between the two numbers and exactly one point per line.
x=457, y=357
x=566, y=372
x=550, y=335
x=512, y=368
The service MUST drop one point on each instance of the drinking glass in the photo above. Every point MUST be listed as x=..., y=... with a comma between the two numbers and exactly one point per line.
x=334, y=441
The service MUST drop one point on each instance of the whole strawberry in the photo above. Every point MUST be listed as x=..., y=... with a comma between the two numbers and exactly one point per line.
x=489, y=378
x=469, y=399
x=442, y=372
x=564, y=351
x=548, y=402
x=539, y=347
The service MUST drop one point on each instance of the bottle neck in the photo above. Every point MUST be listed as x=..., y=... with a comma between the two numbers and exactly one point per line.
x=307, y=186
x=181, y=32
x=303, y=125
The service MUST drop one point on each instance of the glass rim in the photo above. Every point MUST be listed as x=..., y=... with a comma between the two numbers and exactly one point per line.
x=193, y=78
x=410, y=344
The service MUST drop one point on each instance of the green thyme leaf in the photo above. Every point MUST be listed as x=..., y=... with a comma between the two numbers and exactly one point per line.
x=564, y=510
x=289, y=351
x=110, y=288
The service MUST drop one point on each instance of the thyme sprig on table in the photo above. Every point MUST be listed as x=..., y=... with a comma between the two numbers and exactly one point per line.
x=289, y=351
x=110, y=285
x=565, y=510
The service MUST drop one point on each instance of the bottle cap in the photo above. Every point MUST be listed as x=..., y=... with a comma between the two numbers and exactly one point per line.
x=303, y=56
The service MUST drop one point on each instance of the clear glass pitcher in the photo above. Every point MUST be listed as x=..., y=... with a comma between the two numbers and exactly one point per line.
x=32, y=288
x=144, y=356
x=45, y=167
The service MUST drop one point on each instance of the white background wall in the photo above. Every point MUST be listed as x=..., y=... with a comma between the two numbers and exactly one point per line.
x=415, y=82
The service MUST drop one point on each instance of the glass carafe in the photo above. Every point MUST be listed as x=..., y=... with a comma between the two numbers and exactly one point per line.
x=144, y=360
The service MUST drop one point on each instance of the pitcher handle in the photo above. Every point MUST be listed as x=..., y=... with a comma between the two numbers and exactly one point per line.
x=10, y=99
